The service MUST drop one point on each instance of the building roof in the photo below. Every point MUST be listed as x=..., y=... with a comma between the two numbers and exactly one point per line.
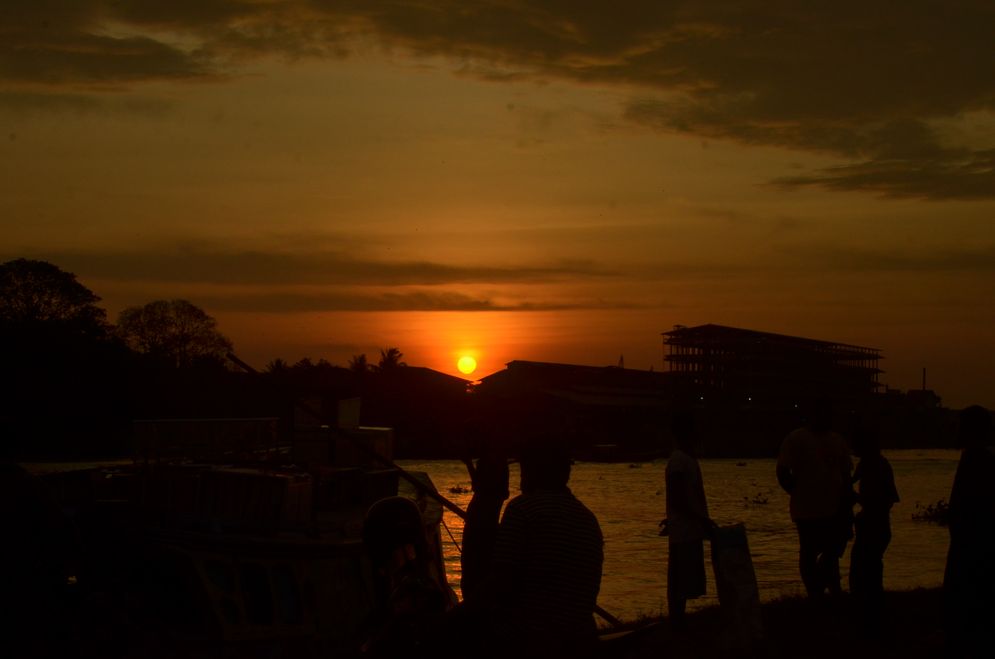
x=426, y=376
x=551, y=376
x=712, y=332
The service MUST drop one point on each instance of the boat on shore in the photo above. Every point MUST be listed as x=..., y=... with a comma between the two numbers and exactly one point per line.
x=219, y=540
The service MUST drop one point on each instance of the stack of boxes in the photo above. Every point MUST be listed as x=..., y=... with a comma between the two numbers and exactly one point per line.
x=343, y=471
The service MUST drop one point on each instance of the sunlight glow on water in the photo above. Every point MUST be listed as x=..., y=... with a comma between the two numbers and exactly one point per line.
x=629, y=501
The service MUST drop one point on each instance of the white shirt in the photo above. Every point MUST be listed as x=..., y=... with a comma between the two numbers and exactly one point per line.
x=681, y=526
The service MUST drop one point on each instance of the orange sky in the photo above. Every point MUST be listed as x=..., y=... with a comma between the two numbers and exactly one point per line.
x=516, y=180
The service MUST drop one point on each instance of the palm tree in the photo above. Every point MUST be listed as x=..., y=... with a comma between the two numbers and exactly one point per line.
x=390, y=359
x=358, y=364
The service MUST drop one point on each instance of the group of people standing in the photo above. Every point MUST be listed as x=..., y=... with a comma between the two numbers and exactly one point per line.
x=815, y=468
x=531, y=577
x=530, y=582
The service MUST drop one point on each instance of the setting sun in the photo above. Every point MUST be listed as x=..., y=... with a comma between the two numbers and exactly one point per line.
x=466, y=364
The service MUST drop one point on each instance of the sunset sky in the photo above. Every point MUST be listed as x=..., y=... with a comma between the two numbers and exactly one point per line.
x=558, y=181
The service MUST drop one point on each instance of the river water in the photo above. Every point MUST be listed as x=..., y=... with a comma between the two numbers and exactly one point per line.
x=629, y=500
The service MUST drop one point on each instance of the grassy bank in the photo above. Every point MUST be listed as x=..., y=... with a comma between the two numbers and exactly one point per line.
x=798, y=628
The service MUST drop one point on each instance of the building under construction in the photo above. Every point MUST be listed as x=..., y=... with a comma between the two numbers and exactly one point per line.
x=765, y=370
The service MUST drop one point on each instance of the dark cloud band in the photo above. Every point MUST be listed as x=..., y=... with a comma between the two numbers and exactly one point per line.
x=206, y=264
x=858, y=79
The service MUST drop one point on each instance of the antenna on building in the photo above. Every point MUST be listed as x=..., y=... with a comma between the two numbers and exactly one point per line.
x=924, y=378
x=621, y=361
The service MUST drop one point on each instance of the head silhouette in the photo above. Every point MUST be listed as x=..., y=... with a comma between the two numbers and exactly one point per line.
x=975, y=425
x=393, y=523
x=865, y=436
x=819, y=415
x=545, y=465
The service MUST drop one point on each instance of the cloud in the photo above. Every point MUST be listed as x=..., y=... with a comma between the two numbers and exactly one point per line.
x=418, y=300
x=61, y=43
x=895, y=158
x=954, y=175
x=321, y=280
x=30, y=102
x=862, y=80
x=204, y=263
x=836, y=258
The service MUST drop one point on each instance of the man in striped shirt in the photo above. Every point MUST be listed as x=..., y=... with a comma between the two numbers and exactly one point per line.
x=546, y=566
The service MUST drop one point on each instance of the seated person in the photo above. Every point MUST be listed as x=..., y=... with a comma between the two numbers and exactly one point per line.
x=410, y=605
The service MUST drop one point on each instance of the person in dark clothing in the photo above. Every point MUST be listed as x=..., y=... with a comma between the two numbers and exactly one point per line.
x=876, y=495
x=969, y=579
x=489, y=478
x=409, y=604
x=546, y=566
x=813, y=466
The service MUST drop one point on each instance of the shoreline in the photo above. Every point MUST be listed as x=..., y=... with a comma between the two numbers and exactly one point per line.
x=796, y=627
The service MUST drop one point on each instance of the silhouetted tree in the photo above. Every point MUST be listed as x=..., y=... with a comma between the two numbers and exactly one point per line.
x=304, y=364
x=175, y=331
x=277, y=365
x=63, y=381
x=359, y=364
x=36, y=293
x=390, y=359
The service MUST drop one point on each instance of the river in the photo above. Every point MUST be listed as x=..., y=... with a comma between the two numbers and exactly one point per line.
x=628, y=500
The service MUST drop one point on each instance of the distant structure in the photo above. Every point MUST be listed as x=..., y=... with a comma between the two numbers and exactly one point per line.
x=601, y=409
x=741, y=366
x=746, y=389
x=589, y=384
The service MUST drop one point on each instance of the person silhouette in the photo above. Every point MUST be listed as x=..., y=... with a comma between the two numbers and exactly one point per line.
x=687, y=523
x=814, y=466
x=969, y=578
x=409, y=609
x=872, y=528
x=489, y=479
x=546, y=566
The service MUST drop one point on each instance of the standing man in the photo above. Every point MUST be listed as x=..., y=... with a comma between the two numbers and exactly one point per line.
x=687, y=524
x=546, y=565
x=489, y=478
x=969, y=580
x=814, y=468
x=876, y=496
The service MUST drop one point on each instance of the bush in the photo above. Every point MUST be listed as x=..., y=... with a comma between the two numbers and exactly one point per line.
x=937, y=513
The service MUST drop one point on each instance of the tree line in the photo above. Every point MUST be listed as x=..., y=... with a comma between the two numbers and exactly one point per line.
x=39, y=297
x=72, y=382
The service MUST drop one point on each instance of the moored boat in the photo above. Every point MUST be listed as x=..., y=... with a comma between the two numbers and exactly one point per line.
x=221, y=539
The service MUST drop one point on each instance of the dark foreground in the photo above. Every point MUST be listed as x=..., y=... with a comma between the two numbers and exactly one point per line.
x=795, y=628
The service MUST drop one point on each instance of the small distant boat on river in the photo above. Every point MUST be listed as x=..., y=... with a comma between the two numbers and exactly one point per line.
x=615, y=453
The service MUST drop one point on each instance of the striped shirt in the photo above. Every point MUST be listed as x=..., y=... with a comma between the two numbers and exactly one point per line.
x=547, y=564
